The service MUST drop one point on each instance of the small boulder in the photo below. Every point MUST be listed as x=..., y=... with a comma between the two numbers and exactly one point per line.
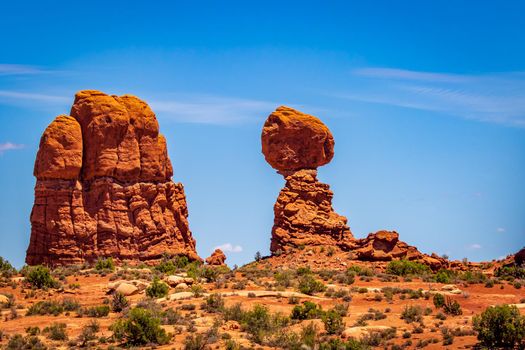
x=127, y=289
x=4, y=299
x=182, y=286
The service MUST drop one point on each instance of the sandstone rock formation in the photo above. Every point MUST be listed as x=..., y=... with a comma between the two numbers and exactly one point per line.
x=217, y=258
x=295, y=144
x=104, y=187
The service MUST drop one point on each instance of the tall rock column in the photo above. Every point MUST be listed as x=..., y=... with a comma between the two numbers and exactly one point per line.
x=295, y=144
x=104, y=187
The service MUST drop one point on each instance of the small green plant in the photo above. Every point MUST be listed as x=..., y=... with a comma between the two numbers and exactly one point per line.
x=96, y=311
x=39, y=277
x=439, y=300
x=406, y=267
x=140, y=327
x=46, y=307
x=452, y=307
x=119, y=302
x=17, y=342
x=157, y=289
x=412, y=314
x=444, y=276
x=105, y=264
x=214, y=303
x=309, y=285
x=306, y=311
x=56, y=331
x=6, y=269
x=333, y=322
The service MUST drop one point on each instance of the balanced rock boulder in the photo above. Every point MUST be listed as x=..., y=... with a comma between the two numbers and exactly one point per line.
x=217, y=258
x=296, y=144
x=104, y=187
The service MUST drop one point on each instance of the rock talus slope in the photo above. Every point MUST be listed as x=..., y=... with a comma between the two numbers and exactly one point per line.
x=104, y=187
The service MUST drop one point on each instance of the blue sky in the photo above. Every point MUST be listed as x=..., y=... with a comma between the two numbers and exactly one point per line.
x=426, y=101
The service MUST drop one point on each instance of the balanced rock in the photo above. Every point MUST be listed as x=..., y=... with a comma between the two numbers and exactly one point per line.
x=217, y=258
x=295, y=144
x=104, y=187
x=292, y=140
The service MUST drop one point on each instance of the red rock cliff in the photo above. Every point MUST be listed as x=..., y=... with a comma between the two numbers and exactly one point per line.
x=104, y=187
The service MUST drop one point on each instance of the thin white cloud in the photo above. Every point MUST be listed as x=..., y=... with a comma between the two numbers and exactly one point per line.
x=17, y=96
x=475, y=246
x=500, y=229
x=496, y=98
x=8, y=146
x=211, y=109
x=19, y=69
x=228, y=247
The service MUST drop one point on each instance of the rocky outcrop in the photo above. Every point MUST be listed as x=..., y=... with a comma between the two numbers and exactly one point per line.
x=295, y=144
x=217, y=258
x=104, y=187
x=519, y=257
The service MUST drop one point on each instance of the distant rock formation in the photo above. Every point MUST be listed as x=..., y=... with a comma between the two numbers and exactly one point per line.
x=296, y=144
x=217, y=258
x=104, y=187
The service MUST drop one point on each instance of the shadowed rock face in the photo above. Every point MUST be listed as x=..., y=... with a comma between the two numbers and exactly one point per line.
x=104, y=187
x=295, y=144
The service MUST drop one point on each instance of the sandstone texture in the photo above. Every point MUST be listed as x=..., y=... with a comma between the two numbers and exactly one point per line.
x=296, y=144
x=104, y=187
x=217, y=258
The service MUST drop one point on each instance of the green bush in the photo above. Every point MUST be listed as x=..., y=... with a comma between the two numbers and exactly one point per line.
x=309, y=285
x=6, y=269
x=338, y=344
x=306, y=311
x=140, y=327
x=501, y=327
x=96, y=311
x=439, y=300
x=40, y=277
x=70, y=304
x=284, y=278
x=119, y=302
x=412, y=314
x=333, y=322
x=510, y=272
x=258, y=322
x=105, y=264
x=452, y=307
x=45, y=307
x=406, y=267
x=157, y=289
x=214, y=303
x=171, y=265
x=444, y=276
x=57, y=331
x=19, y=342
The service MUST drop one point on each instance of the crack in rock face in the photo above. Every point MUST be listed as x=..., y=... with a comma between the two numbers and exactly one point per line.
x=104, y=187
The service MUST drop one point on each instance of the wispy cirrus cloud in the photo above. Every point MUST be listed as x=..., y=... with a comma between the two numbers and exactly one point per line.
x=228, y=247
x=475, y=246
x=20, y=69
x=13, y=96
x=496, y=98
x=8, y=146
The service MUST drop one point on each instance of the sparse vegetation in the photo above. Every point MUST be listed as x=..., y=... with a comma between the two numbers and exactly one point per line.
x=309, y=285
x=40, y=277
x=157, y=289
x=412, y=314
x=501, y=327
x=106, y=264
x=119, y=302
x=406, y=267
x=140, y=327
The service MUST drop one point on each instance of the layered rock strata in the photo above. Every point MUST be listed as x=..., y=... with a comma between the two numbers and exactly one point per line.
x=104, y=187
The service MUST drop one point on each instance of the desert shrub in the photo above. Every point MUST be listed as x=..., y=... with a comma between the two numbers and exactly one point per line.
x=444, y=276
x=195, y=342
x=96, y=311
x=377, y=338
x=39, y=277
x=333, y=322
x=32, y=330
x=197, y=290
x=406, y=267
x=338, y=344
x=258, y=322
x=105, y=264
x=88, y=333
x=119, y=302
x=361, y=271
x=214, y=303
x=45, y=307
x=309, y=285
x=472, y=277
x=501, y=327
x=170, y=265
x=140, y=327
x=452, y=307
x=439, y=300
x=10, y=302
x=284, y=278
x=412, y=314
x=170, y=317
x=306, y=311
x=212, y=273
x=6, y=269
x=448, y=336
x=507, y=272
x=489, y=283
x=157, y=289
x=70, y=304
x=347, y=277
x=56, y=331
x=19, y=342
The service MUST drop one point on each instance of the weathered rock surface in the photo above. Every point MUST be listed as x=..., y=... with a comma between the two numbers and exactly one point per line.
x=292, y=140
x=217, y=258
x=104, y=187
x=304, y=215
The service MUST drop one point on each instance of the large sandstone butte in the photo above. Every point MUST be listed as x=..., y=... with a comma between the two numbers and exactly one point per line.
x=295, y=144
x=104, y=187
